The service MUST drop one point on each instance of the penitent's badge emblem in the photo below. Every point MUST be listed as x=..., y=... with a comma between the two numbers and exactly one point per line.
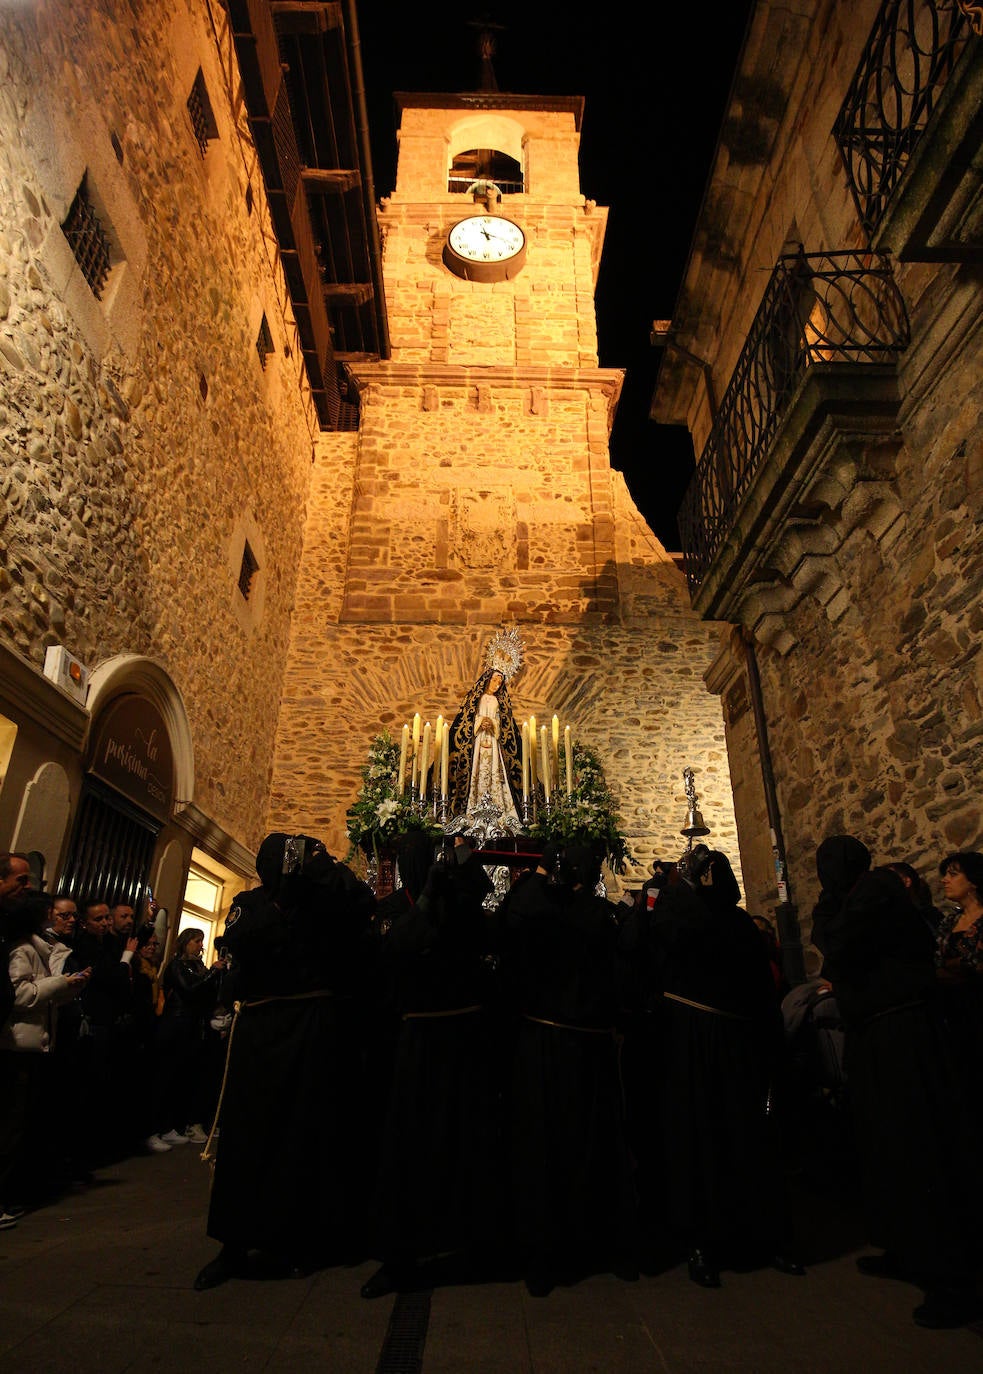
x=232, y=917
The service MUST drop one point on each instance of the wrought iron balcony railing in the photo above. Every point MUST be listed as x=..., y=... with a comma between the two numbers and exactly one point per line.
x=821, y=308
x=909, y=56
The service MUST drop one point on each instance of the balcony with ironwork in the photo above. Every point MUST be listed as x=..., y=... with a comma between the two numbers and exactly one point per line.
x=910, y=131
x=802, y=424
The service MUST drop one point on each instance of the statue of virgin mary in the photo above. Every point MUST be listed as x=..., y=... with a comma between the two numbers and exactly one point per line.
x=485, y=756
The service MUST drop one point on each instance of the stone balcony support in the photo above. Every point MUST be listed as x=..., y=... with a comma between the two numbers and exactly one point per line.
x=828, y=472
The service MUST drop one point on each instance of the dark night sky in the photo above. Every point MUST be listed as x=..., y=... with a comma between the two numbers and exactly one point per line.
x=663, y=76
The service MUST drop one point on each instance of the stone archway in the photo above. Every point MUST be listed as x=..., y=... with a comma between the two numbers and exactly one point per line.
x=134, y=673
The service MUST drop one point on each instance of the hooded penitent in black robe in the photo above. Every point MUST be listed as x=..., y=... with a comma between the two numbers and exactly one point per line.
x=720, y=1029
x=437, y=1189
x=289, y=1145
x=908, y=1113
x=572, y=1202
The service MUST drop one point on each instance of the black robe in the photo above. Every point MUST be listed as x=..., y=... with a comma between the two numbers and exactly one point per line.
x=289, y=1148
x=716, y=1044
x=909, y=1114
x=437, y=1189
x=572, y=1200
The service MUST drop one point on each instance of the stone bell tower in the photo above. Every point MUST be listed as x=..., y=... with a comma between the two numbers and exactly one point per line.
x=484, y=487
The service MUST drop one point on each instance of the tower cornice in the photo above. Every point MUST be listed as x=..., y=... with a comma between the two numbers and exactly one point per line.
x=491, y=100
x=608, y=380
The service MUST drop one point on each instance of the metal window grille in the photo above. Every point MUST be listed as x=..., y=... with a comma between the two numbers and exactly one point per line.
x=88, y=239
x=202, y=117
x=111, y=848
x=264, y=343
x=247, y=571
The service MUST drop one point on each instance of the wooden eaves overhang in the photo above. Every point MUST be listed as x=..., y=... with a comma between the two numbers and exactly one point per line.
x=305, y=99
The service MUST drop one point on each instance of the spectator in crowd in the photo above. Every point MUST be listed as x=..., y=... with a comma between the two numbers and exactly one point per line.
x=145, y=972
x=190, y=994
x=297, y=945
x=30, y=1119
x=15, y=874
x=817, y=1129
x=121, y=918
x=959, y=957
x=919, y=892
x=906, y=1099
x=961, y=932
x=103, y=1059
x=59, y=930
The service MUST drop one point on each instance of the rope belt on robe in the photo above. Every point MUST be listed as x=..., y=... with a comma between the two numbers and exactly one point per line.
x=563, y=1025
x=208, y=1154
x=890, y=1011
x=429, y=1015
x=702, y=1006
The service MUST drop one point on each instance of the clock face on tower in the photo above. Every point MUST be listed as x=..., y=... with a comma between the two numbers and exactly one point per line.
x=485, y=248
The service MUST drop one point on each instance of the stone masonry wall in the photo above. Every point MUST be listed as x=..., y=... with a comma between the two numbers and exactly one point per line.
x=141, y=438
x=482, y=500
x=630, y=686
x=875, y=715
x=877, y=718
x=543, y=316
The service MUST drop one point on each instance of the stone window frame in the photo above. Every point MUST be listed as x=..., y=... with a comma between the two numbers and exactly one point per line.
x=204, y=126
x=89, y=242
x=115, y=312
x=264, y=341
x=248, y=611
x=248, y=570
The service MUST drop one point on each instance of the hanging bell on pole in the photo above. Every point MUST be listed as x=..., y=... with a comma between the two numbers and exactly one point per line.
x=695, y=824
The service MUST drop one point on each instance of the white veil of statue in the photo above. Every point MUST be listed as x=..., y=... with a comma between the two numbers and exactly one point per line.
x=485, y=745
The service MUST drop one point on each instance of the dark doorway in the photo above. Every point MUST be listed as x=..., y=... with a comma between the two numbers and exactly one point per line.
x=111, y=849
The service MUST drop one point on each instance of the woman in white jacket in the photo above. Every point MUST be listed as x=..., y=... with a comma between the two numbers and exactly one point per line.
x=26, y=1042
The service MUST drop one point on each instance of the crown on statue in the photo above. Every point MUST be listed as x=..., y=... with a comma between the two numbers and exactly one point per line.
x=505, y=653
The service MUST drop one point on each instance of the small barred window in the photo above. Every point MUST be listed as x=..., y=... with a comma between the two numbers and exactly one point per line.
x=247, y=571
x=202, y=117
x=88, y=239
x=264, y=343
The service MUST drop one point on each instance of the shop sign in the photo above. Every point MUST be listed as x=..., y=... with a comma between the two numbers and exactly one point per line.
x=132, y=753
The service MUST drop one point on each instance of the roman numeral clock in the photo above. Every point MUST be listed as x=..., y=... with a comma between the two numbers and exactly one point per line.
x=485, y=248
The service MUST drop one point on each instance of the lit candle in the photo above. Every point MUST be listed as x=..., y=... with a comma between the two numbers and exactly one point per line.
x=555, y=757
x=424, y=759
x=533, y=761
x=404, y=746
x=568, y=746
x=445, y=754
x=545, y=767
x=525, y=762
x=416, y=750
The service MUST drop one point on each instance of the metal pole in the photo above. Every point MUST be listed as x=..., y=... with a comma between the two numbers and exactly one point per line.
x=789, y=934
